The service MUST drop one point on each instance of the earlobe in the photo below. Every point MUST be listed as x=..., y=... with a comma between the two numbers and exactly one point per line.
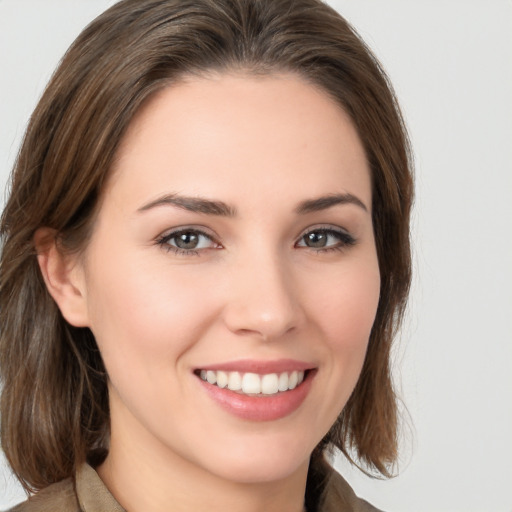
x=63, y=276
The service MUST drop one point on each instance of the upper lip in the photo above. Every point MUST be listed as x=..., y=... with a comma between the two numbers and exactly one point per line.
x=260, y=367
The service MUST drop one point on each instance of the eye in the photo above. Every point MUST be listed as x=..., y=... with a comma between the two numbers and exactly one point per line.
x=187, y=241
x=325, y=239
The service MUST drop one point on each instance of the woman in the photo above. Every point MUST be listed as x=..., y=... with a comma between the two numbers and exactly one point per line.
x=206, y=257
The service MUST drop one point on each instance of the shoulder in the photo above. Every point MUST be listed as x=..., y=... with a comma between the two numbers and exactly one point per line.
x=339, y=496
x=85, y=492
x=60, y=496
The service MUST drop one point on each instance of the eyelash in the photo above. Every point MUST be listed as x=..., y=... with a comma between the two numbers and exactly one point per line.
x=345, y=240
x=163, y=241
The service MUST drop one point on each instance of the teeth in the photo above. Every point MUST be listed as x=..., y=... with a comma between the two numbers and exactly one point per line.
x=292, y=382
x=222, y=379
x=252, y=383
x=234, y=381
x=270, y=384
x=283, y=382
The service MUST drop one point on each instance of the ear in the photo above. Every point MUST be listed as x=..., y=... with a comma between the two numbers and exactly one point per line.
x=64, y=277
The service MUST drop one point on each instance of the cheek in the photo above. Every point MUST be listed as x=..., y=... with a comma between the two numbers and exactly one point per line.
x=344, y=314
x=346, y=310
x=141, y=312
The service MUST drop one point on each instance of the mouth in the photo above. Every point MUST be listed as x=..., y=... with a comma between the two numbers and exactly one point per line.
x=258, y=391
x=254, y=384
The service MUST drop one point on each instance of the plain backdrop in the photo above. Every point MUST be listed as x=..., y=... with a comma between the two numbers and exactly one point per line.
x=451, y=64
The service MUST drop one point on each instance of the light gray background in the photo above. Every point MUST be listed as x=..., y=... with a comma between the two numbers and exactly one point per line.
x=451, y=63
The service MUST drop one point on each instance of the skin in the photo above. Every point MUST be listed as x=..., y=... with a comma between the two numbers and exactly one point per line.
x=252, y=290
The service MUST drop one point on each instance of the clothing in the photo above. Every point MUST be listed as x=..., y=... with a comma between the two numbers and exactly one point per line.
x=90, y=495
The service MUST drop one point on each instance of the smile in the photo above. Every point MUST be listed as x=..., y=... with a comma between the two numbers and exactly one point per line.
x=258, y=390
x=253, y=383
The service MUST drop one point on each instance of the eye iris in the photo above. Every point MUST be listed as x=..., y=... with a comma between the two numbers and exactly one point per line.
x=187, y=240
x=316, y=239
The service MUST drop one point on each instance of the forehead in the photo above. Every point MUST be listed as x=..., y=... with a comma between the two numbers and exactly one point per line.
x=254, y=133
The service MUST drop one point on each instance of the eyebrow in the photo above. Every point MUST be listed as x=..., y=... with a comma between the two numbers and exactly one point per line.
x=325, y=202
x=192, y=204
x=219, y=208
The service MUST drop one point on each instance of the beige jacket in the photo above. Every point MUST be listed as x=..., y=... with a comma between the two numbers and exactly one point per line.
x=91, y=495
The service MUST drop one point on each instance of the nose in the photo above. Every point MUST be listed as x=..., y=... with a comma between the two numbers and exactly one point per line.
x=262, y=298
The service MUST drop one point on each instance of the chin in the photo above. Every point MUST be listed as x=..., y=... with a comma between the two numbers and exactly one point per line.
x=260, y=472
x=260, y=462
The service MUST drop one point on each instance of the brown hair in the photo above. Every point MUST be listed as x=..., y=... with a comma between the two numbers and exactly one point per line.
x=54, y=402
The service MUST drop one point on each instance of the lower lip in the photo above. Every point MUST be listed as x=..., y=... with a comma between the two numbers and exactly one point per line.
x=260, y=407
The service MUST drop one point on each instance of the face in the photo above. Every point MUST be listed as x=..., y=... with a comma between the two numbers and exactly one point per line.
x=231, y=280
